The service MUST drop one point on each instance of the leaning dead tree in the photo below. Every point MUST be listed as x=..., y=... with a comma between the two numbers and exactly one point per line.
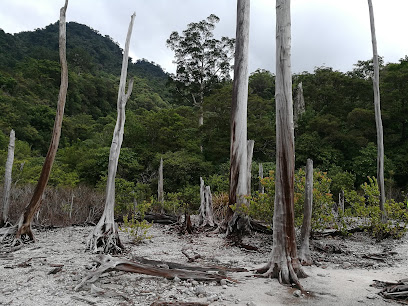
x=206, y=216
x=22, y=230
x=284, y=263
x=105, y=236
x=304, y=252
x=377, y=108
x=7, y=178
x=237, y=222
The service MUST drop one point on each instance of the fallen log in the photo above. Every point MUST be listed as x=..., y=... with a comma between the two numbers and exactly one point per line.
x=178, y=304
x=174, y=265
x=160, y=218
x=109, y=263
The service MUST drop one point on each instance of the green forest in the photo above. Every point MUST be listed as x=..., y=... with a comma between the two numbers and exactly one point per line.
x=337, y=130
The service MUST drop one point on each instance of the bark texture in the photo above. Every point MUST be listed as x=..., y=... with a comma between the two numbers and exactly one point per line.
x=7, y=177
x=22, y=230
x=377, y=108
x=304, y=252
x=236, y=221
x=284, y=263
x=105, y=237
x=260, y=174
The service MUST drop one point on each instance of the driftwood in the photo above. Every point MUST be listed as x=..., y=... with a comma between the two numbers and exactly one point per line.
x=396, y=291
x=178, y=304
x=109, y=263
x=160, y=218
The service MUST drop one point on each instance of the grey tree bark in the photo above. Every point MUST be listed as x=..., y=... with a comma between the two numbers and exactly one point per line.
x=377, y=108
x=7, y=177
x=22, y=230
x=260, y=174
x=105, y=236
x=299, y=105
x=284, y=263
x=206, y=215
x=160, y=190
x=250, y=153
x=304, y=252
x=237, y=222
x=341, y=200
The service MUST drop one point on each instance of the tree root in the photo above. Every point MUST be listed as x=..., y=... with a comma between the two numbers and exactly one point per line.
x=288, y=273
x=105, y=239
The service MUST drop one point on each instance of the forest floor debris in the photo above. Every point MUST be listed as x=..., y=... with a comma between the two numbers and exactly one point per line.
x=46, y=273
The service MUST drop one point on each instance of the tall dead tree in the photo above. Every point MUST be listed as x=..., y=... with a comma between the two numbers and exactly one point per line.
x=7, y=178
x=250, y=153
x=105, y=236
x=160, y=190
x=23, y=228
x=377, y=108
x=304, y=252
x=284, y=263
x=236, y=221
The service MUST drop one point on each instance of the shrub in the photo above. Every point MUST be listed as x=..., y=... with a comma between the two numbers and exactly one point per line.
x=137, y=230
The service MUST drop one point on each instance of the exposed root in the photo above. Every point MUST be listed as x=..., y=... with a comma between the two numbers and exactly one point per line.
x=238, y=225
x=105, y=239
x=9, y=236
x=288, y=273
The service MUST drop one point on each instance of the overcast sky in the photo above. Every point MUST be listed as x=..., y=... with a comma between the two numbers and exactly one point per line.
x=333, y=33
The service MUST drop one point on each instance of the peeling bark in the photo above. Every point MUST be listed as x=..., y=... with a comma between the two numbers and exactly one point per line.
x=378, y=121
x=105, y=236
x=284, y=263
x=7, y=177
x=299, y=105
x=304, y=252
x=236, y=222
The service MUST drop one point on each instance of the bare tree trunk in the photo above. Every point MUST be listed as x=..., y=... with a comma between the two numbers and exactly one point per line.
x=160, y=190
x=284, y=263
x=341, y=200
x=378, y=121
x=304, y=252
x=250, y=153
x=260, y=173
x=237, y=222
x=23, y=227
x=7, y=177
x=299, y=105
x=206, y=216
x=105, y=236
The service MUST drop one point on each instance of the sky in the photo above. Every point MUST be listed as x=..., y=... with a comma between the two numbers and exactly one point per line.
x=331, y=33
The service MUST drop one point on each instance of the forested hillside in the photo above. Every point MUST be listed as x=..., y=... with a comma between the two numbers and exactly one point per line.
x=337, y=130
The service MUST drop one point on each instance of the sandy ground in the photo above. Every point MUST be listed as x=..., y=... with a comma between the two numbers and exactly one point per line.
x=341, y=275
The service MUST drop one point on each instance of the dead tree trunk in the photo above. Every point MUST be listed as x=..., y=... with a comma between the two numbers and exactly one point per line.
x=206, y=216
x=377, y=108
x=341, y=201
x=105, y=236
x=304, y=252
x=23, y=227
x=299, y=105
x=237, y=222
x=260, y=174
x=284, y=263
x=160, y=191
x=7, y=178
x=250, y=153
